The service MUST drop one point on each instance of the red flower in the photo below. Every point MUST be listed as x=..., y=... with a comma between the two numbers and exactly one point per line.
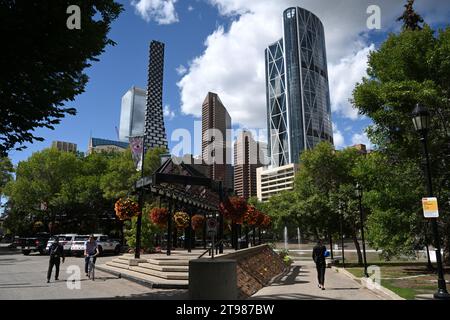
x=126, y=209
x=159, y=216
x=197, y=222
x=234, y=209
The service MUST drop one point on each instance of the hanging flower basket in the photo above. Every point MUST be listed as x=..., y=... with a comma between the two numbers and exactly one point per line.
x=197, y=222
x=159, y=216
x=181, y=220
x=126, y=209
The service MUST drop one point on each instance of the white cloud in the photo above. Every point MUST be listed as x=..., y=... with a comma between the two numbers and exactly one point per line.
x=170, y=114
x=338, y=137
x=181, y=70
x=358, y=138
x=232, y=63
x=160, y=11
x=342, y=78
x=190, y=8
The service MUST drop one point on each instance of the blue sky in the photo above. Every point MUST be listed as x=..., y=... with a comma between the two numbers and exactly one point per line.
x=197, y=35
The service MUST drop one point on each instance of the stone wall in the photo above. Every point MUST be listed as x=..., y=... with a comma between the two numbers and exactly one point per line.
x=255, y=268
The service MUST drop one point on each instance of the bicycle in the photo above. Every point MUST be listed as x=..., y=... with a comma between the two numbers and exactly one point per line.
x=91, y=268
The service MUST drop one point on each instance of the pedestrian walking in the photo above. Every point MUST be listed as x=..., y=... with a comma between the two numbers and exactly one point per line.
x=318, y=256
x=90, y=249
x=56, y=253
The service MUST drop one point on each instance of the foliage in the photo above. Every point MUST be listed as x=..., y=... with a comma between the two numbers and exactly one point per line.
x=181, y=220
x=148, y=232
x=410, y=18
x=234, y=209
x=126, y=209
x=6, y=170
x=43, y=62
x=159, y=216
x=197, y=221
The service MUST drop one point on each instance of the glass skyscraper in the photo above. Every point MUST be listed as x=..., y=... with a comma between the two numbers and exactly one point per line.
x=298, y=98
x=132, y=114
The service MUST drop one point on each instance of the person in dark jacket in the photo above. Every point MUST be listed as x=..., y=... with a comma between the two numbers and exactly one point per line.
x=319, y=258
x=56, y=253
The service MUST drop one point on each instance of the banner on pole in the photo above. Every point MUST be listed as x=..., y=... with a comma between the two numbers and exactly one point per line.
x=430, y=208
x=137, y=147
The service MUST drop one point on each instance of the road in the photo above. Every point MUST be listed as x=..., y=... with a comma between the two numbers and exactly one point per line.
x=25, y=277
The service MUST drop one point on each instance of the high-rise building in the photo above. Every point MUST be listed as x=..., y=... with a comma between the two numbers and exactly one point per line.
x=216, y=139
x=64, y=146
x=155, y=132
x=132, y=114
x=297, y=89
x=248, y=156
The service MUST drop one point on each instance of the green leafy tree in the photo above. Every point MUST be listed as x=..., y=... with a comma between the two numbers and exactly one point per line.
x=43, y=62
x=6, y=171
x=148, y=231
x=411, y=67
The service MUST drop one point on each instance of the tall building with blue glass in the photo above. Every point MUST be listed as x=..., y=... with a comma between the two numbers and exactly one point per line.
x=298, y=98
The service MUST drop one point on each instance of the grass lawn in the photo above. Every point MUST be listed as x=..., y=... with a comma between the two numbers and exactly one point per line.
x=407, y=280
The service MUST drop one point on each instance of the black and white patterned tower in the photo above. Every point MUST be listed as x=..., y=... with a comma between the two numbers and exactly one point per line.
x=155, y=132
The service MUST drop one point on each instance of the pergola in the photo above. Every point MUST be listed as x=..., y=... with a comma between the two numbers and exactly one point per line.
x=185, y=186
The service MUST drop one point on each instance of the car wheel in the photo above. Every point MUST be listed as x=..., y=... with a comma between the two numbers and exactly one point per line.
x=26, y=252
x=117, y=250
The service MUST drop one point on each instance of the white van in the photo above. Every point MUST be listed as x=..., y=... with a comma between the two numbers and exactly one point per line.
x=65, y=240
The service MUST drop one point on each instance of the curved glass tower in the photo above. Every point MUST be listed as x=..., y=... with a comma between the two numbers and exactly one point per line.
x=298, y=98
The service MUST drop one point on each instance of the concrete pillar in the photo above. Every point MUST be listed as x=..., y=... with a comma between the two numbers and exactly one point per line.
x=212, y=279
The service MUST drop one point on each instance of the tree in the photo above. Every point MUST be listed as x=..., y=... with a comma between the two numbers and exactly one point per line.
x=6, y=170
x=411, y=67
x=42, y=62
x=410, y=18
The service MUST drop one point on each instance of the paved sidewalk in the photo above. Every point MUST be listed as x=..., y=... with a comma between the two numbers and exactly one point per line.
x=301, y=283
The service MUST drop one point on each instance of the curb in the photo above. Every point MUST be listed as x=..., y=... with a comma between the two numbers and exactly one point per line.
x=364, y=283
x=143, y=282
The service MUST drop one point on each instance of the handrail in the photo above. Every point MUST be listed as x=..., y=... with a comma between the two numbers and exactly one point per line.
x=209, y=249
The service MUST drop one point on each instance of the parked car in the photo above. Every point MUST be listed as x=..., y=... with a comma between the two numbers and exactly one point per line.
x=37, y=243
x=105, y=244
x=65, y=240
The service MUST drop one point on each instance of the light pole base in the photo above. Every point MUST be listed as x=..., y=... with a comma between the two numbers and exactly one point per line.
x=441, y=295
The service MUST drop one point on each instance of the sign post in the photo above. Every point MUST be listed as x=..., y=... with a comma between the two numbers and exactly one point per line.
x=211, y=229
x=430, y=208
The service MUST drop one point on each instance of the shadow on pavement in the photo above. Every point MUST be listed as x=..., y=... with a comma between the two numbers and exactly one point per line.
x=157, y=295
x=290, y=277
x=291, y=296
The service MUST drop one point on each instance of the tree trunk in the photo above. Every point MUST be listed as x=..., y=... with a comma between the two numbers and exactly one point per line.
x=447, y=248
x=358, y=249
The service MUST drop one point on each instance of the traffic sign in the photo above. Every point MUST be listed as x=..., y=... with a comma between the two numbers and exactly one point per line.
x=211, y=226
x=430, y=207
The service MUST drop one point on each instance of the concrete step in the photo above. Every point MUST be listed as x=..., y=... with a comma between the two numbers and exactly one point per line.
x=164, y=268
x=168, y=262
x=121, y=261
x=159, y=274
x=117, y=265
x=144, y=279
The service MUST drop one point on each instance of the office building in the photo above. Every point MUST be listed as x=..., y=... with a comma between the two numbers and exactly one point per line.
x=297, y=89
x=132, y=114
x=275, y=180
x=64, y=146
x=248, y=156
x=105, y=145
x=155, y=132
x=216, y=140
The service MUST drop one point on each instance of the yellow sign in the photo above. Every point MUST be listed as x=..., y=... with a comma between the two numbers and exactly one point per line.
x=430, y=207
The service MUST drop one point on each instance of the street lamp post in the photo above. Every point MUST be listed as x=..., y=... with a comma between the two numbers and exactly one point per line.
x=359, y=192
x=421, y=120
x=341, y=216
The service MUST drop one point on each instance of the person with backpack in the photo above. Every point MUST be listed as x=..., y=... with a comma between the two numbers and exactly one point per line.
x=56, y=251
x=319, y=254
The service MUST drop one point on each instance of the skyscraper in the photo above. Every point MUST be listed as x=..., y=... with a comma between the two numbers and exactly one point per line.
x=216, y=139
x=297, y=90
x=64, y=146
x=132, y=114
x=248, y=156
x=155, y=132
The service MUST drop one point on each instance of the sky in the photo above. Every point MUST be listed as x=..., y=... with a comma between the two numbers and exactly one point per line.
x=218, y=46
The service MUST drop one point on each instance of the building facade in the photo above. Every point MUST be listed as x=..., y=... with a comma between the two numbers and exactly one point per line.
x=216, y=140
x=248, y=156
x=105, y=145
x=155, y=132
x=64, y=146
x=132, y=114
x=273, y=181
x=297, y=89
